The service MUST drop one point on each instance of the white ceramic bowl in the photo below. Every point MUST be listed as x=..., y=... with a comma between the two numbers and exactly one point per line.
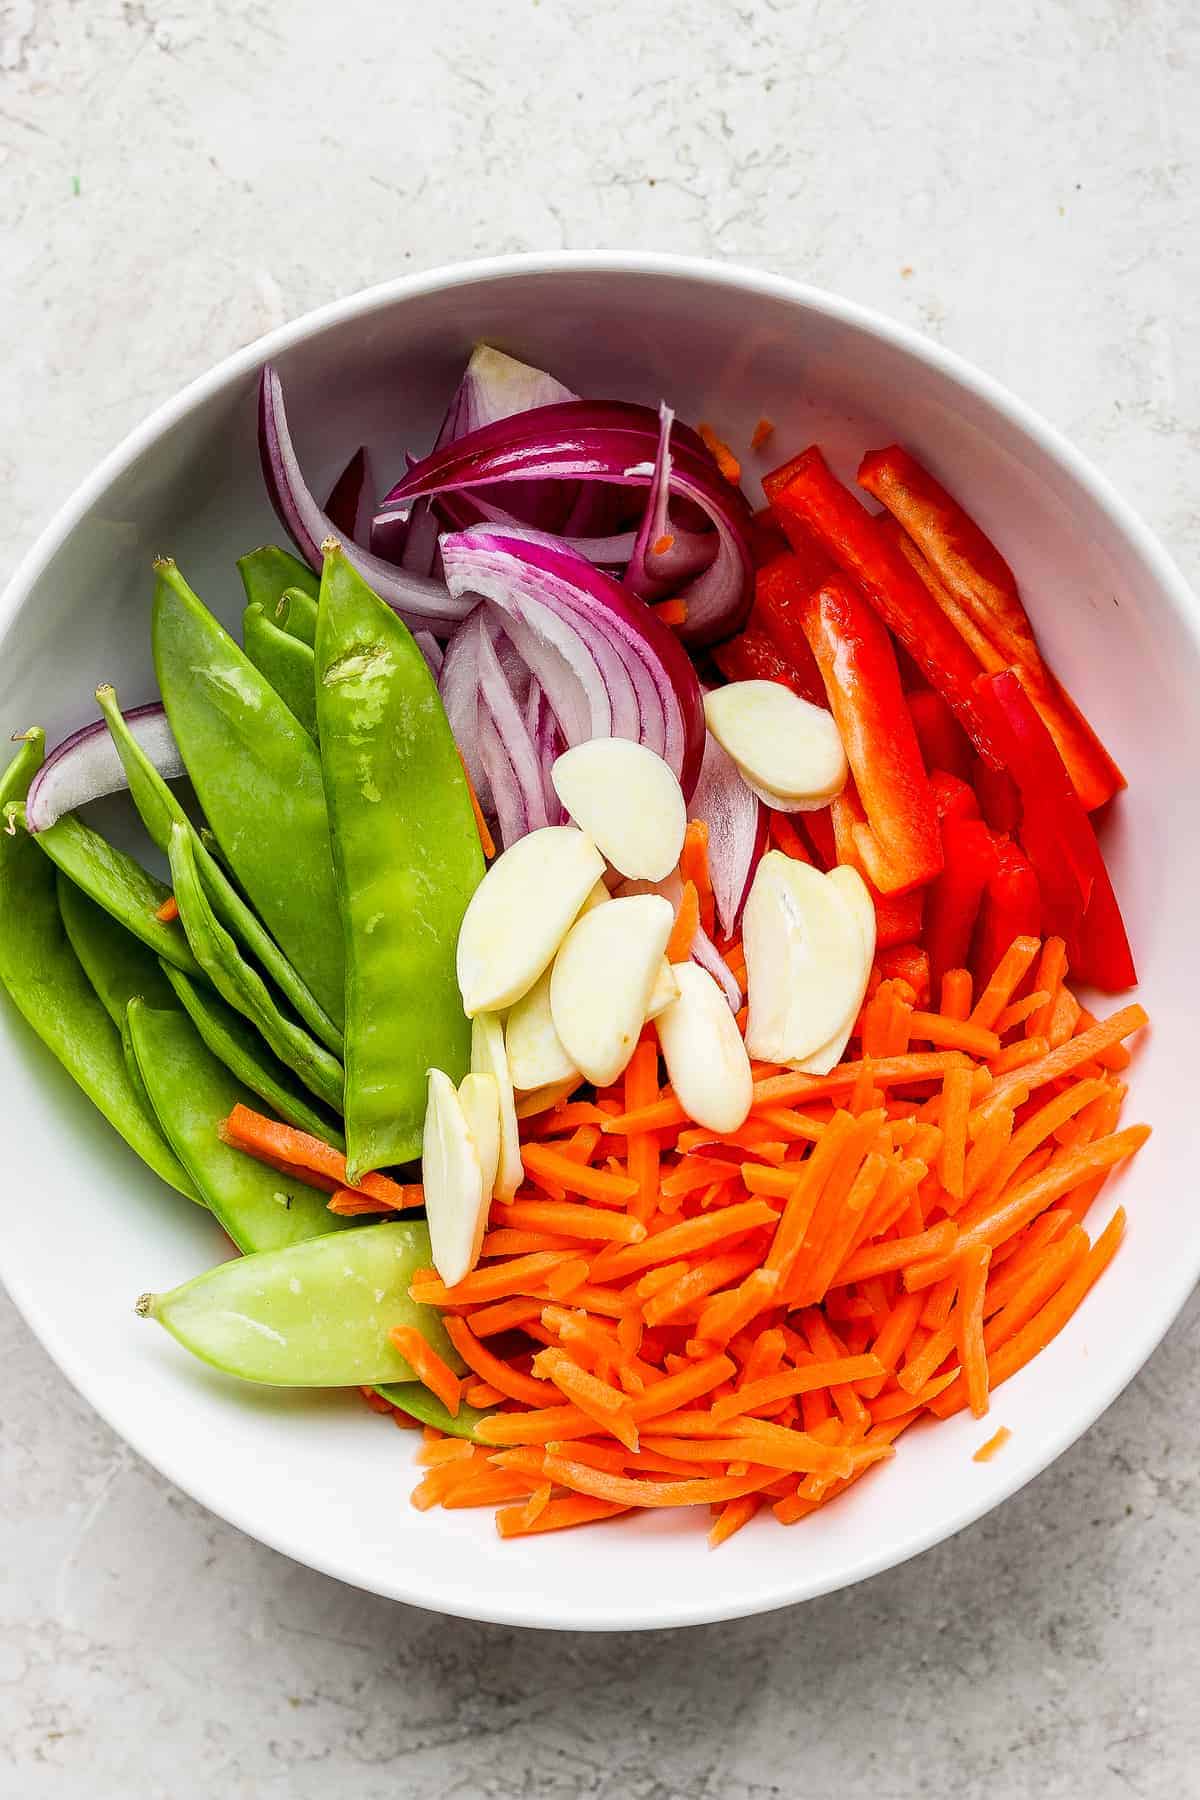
x=87, y=1228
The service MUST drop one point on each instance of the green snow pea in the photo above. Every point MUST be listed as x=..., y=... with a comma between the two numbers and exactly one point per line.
x=126, y=891
x=408, y=860
x=268, y=572
x=257, y=775
x=242, y=986
x=234, y=1042
x=191, y=1093
x=160, y=810
x=287, y=663
x=414, y=1398
x=296, y=613
x=317, y=1314
x=47, y=984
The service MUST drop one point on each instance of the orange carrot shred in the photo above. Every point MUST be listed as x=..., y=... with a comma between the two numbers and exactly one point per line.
x=721, y=454
x=762, y=431
x=428, y=1366
x=687, y=923
x=693, y=867
x=996, y=1442
x=168, y=912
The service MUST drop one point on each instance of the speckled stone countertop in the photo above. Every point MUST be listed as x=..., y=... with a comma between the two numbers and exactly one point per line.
x=1023, y=184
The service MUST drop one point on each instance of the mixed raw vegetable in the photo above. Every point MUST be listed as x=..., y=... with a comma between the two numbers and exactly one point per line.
x=611, y=981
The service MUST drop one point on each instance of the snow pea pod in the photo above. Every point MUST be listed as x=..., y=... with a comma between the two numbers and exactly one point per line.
x=191, y=1092
x=239, y=984
x=315, y=1315
x=47, y=984
x=416, y=1400
x=296, y=613
x=268, y=572
x=407, y=857
x=159, y=810
x=287, y=663
x=126, y=891
x=234, y=1042
x=257, y=774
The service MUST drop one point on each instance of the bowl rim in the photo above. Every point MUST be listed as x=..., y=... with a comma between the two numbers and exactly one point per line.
x=1176, y=593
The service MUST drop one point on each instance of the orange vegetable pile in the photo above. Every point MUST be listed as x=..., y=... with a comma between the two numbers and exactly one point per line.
x=668, y=1317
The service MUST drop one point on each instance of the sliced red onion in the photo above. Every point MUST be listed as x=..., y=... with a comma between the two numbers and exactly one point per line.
x=507, y=751
x=654, y=572
x=616, y=443
x=737, y=831
x=607, y=666
x=431, y=650
x=418, y=600
x=458, y=685
x=351, y=502
x=548, y=742
x=86, y=766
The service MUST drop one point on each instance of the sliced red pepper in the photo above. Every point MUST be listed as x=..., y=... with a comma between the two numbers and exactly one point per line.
x=1078, y=903
x=897, y=916
x=781, y=589
x=955, y=897
x=942, y=739
x=980, y=583
x=818, y=829
x=952, y=798
x=1012, y=907
x=753, y=656
x=999, y=801
x=908, y=962
x=898, y=839
x=806, y=490
x=766, y=539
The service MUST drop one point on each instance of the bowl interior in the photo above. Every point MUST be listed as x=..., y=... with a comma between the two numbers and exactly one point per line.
x=315, y=1475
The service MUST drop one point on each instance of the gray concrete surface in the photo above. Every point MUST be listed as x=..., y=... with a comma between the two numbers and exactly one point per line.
x=1022, y=183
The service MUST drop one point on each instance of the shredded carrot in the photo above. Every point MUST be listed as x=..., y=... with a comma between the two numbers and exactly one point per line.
x=762, y=431
x=956, y=994
x=693, y=867
x=1005, y=979
x=672, y=612
x=721, y=454
x=557, y=1515
x=662, y=544
x=687, y=923
x=996, y=1442
x=969, y=1326
x=956, y=1107
x=168, y=912
x=486, y=841
x=273, y=1142
x=428, y=1366
x=593, y=1184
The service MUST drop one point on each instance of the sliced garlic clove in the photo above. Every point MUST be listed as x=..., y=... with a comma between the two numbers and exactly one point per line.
x=704, y=1053
x=853, y=888
x=479, y=1097
x=488, y=1058
x=456, y=1201
x=603, y=977
x=781, y=743
x=627, y=800
x=536, y=1057
x=597, y=897
x=520, y=913
x=542, y=1099
x=804, y=960
x=664, y=991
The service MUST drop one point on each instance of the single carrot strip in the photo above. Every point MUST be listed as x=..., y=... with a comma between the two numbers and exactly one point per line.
x=1051, y=972
x=693, y=867
x=168, y=912
x=689, y=1286
x=996, y=1442
x=1020, y=1011
x=520, y=1276
x=558, y=1515
x=783, y=1448
x=576, y=1179
x=728, y=1313
x=564, y=1281
x=721, y=454
x=494, y=1370
x=694, y=1172
x=956, y=1106
x=538, y=1427
x=687, y=923
x=969, y=1324
x=428, y=1366
x=755, y=1394
x=627, y=1491
x=1038, y=1127
x=991, y=1141
x=482, y=1395
x=489, y=1488
x=274, y=1142
x=953, y=1034
x=486, y=841
x=797, y=1214
x=732, y=1516
x=678, y=1390
x=1045, y=1326
x=348, y=1203
x=1030, y=1198
x=1005, y=979
x=844, y=1226
x=956, y=994
x=835, y=1192
x=1116, y=1057
x=893, y=1337
x=603, y=1403
x=444, y=1450
x=432, y=1489
x=504, y=1316
x=1041, y=1280
x=684, y=1239
x=824, y=1343
x=568, y=1220
x=896, y=1253
x=793, y=1126
x=642, y=1148
x=1019, y=1055
x=762, y=431
x=1069, y=1056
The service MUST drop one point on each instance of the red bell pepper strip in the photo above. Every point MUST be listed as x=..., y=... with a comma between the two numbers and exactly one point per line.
x=942, y=739
x=818, y=829
x=1078, y=903
x=781, y=589
x=766, y=539
x=898, y=840
x=955, y=897
x=981, y=584
x=996, y=791
x=908, y=962
x=1012, y=907
x=897, y=916
x=807, y=490
x=753, y=656
x=952, y=798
